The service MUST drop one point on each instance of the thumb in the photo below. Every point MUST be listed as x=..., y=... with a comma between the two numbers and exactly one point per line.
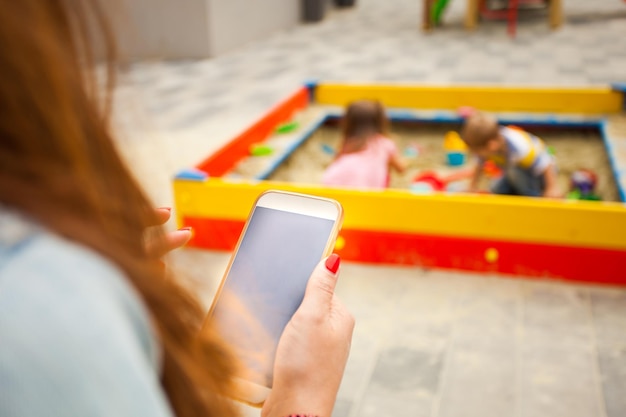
x=321, y=286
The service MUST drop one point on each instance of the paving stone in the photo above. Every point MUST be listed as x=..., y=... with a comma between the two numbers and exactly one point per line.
x=609, y=316
x=553, y=315
x=342, y=408
x=406, y=371
x=480, y=382
x=612, y=361
x=558, y=382
x=376, y=405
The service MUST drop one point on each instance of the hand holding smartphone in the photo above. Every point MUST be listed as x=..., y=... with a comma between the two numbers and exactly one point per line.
x=284, y=239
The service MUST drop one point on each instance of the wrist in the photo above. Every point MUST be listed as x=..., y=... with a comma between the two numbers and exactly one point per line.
x=301, y=415
x=282, y=403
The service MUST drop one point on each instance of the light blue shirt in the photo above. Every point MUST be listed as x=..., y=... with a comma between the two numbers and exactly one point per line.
x=75, y=338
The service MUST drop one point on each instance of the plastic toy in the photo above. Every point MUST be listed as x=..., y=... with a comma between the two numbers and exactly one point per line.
x=455, y=158
x=261, y=150
x=328, y=149
x=412, y=151
x=287, y=127
x=577, y=195
x=421, y=188
x=491, y=169
x=431, y=181
x=453, y=142
x=428, y=181
x=455, y=149
x=582, y=185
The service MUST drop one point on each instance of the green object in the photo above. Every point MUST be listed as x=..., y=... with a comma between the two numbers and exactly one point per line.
x=591, y=197
x=437, y=11
x=261, y=150
x=287, y=127
x=551, y=150
x=577, y=195
x=573, y=195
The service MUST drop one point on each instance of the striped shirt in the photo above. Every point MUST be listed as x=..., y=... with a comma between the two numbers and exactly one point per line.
x=524, y=150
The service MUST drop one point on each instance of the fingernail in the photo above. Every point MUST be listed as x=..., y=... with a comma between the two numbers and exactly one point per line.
x=332, y=263
x=165, y=208
x=187, y=229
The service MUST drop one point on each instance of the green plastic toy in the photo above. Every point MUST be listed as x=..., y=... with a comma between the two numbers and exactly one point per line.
x=287, y=127
x=261, y=150
x=577, y=195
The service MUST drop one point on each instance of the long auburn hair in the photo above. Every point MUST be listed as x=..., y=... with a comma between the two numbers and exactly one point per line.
x=363, y=119
x=59, y=165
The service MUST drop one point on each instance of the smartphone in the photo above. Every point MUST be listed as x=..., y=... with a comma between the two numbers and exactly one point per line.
x=284, y=238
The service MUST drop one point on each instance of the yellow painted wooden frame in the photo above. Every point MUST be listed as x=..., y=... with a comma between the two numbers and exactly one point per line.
x=590, y=229
x=597, y=100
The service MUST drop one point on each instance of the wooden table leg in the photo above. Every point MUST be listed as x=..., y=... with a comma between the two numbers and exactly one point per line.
x=426, y=23
x=556, y=13
x=471, y=14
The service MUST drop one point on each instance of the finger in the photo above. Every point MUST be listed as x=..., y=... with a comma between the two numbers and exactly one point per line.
x=321, y=286
x=162, y=215
x=171, y=241
x=179, y=238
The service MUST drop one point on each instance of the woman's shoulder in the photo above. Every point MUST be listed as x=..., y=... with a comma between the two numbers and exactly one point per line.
x=44, y=274
x=66, y=314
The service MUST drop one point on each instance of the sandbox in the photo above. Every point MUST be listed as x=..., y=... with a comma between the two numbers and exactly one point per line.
x=575, y=240
x=421, y=146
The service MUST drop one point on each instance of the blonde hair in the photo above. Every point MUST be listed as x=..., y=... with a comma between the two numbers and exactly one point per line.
x=478, y=129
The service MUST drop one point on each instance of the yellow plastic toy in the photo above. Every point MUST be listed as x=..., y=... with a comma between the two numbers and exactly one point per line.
x=453, y=142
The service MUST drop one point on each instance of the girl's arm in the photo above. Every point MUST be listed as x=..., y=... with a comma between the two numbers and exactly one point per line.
x=397, y=162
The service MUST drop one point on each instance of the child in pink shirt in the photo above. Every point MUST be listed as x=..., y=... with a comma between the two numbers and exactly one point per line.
x=366, y=154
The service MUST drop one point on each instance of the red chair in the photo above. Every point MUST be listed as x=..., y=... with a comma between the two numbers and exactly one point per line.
x=509, y=13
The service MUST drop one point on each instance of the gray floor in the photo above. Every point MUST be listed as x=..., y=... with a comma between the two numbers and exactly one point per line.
x=427, y=343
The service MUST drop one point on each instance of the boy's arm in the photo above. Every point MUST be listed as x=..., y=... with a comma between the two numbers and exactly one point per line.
x=478, y=172
x=551, y=189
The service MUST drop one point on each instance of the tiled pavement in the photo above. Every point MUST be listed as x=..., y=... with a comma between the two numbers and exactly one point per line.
x=427, y=343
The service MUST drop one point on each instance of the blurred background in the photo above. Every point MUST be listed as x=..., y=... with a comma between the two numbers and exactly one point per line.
x=427, y=342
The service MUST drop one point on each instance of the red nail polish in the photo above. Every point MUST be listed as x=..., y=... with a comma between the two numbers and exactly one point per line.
x=165, y=208
x=332, y=263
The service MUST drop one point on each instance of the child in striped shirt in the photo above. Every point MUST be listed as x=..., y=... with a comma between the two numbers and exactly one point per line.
x=528, y=168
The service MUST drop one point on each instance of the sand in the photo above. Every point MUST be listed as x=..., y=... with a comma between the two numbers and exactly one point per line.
x=573, y=149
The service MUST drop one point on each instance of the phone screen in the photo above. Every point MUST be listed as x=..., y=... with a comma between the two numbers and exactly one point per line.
x=266, y=283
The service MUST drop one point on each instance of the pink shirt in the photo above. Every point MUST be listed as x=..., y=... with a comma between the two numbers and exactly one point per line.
x=368, y=168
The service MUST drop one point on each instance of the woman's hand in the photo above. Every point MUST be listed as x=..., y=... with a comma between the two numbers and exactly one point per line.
x=313, y=350
x=172, y=240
